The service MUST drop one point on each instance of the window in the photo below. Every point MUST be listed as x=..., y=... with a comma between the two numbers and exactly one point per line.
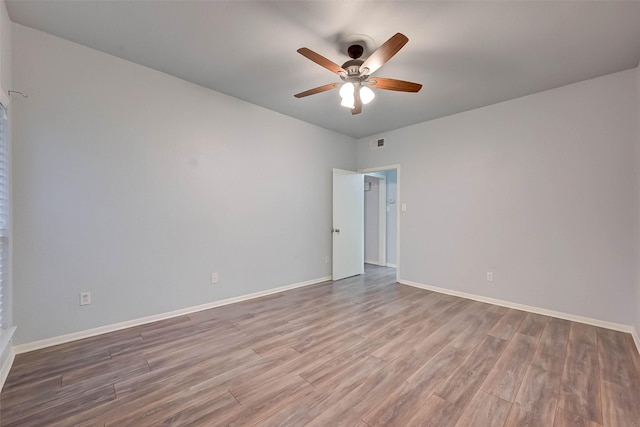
x=4, y=214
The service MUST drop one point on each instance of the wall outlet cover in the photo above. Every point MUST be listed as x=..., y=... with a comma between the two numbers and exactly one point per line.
x=85, y=298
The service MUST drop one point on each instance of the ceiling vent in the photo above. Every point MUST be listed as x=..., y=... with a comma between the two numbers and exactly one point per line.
x=378, y=143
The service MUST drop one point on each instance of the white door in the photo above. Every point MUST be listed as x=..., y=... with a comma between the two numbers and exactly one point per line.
x=348, y=224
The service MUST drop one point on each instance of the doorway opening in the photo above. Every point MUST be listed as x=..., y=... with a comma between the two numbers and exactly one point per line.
x=381, y=217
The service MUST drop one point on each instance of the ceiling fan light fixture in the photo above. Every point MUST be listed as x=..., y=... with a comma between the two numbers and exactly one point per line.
x=348, y=102
x=366, y=94
x=346, y=91
x=355, y=89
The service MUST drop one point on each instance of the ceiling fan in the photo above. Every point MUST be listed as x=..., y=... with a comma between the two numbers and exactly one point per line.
x=356, y=73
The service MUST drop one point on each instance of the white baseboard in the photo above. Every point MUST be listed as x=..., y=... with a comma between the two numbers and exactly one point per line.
x=531, y=309
x=6, y=367
x=49, y=342
x=391, y=265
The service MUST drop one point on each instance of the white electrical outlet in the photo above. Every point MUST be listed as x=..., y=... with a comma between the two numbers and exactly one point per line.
x=489, y=276
x=85, y=298
x=214, y=278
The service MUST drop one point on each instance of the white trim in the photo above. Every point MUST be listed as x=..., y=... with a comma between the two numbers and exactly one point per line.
x=531, y=309
x=49, y=342
x=5, y=337
x=6, y=367
x=390, y=265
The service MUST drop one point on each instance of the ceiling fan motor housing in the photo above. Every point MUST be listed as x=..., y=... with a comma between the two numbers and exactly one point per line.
x=355, y=51
x=352, y=67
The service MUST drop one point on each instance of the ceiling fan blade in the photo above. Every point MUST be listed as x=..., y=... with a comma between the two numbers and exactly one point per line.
x=316, y=90
x=357, y=102
x=321, y=60
x=383, y=54
x=393, y=84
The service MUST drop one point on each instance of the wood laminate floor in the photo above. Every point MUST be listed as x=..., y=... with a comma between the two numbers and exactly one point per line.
x=362, y=351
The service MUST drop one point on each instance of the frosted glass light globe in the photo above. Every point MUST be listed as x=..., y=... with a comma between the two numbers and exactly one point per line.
x=366, y=95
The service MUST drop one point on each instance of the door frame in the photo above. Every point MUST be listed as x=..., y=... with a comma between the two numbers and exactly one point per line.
x=398, y=212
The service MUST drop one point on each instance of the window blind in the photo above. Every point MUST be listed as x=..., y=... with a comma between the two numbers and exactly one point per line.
x=4, y=208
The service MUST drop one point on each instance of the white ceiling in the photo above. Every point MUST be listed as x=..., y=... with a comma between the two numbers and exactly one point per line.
x=466, y=54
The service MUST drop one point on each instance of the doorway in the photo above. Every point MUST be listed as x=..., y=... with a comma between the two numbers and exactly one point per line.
x=375, y=219
x=348, y=227
x=381, y=216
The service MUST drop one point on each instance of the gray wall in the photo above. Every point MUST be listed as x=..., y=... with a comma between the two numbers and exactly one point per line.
x=135, y=186
x=540, y=190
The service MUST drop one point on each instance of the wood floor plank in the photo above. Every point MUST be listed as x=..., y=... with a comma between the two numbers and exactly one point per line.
x=262, y=405
x=352, y=407
x=460, y=387
x=202, y=350
x=533, y=324
x=470, y=337
x=499, y=309
x=30, y=390
x=338, y=379
x=45, y=368
x=363, y=349
x=620, y=406
x=218, y=371
x=152, y=409
x=108, y=371
x=252, y=391
x=635, y=354
x=508, y=324
x=536, y=401
x=204, y=412
x=455, y=319
x=394, y=343
x=580, y=389
x=158, y=347
x=403, y=403
x=568, y=419
x=308, y=404
x=54, y=410
x=436, y=412
x=615, y=359
x=550, y=353
x=485, y=410
x=504, y=379
x=582, y=332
